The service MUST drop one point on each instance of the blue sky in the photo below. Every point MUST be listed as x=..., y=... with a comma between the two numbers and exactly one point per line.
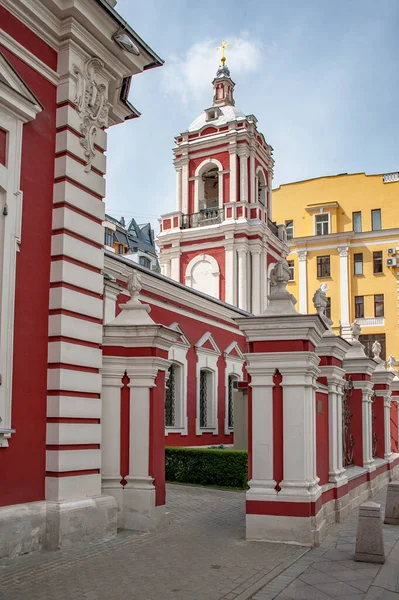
x=321, y=76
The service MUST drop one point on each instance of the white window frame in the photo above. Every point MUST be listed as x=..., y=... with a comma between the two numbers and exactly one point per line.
x=292, y=269
x=328, y=222
x=234, y=366
x=17, y=106
x=178, y=355
x=288, y=228
x=207, y=359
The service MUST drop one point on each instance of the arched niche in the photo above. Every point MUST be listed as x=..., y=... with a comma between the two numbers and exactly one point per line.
x=203, y=274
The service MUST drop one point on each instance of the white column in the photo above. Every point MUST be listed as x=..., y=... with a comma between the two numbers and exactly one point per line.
x=243, y=178
x=262, y=483
x=139, y=492
x=220, y=188
x=233, y=176
x=344, y=288
x=252, y=179
x=387, y=424
x=178, y=189
x=263, y=280
x=299, y=405
x=184, y=187
x=175, y=264
x=230, y=274
x=367, y=427
x=256, y=282
x=111, y=292
x=111, y=434
x=242, y=278
x=335, y=398
x=303, y=281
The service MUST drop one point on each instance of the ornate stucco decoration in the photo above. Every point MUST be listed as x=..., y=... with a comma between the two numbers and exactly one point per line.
x=92, y=105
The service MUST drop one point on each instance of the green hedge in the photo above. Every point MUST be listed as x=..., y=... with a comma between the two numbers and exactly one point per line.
x=207, y=466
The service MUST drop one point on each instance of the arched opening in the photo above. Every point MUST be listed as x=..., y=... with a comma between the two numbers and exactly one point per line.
x=203, y=274
x=209, y=187
x=261, y=187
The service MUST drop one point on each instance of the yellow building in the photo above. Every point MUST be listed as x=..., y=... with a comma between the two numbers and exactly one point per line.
x=343, y=230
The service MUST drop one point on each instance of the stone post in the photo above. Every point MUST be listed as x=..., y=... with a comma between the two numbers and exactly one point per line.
x=359, y=369
x=369, y=538
x=135, y=358
x=282, y=340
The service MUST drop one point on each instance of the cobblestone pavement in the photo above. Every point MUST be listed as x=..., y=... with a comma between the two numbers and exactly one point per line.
x=331, y=572
x=200, y=555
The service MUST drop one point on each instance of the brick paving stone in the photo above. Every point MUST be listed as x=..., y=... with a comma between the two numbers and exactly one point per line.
x=200, y=554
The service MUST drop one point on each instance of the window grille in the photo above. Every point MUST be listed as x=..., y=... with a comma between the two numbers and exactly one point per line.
x=348, y=440
x=203, y=399
x=170, y=398
x=232, y=378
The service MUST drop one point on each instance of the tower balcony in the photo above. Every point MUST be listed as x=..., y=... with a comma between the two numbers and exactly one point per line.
x=230, y=213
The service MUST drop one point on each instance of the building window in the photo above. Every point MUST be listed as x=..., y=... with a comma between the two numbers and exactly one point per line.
x=357, y=222
x=327, y=311
x=109, y=237
x=262, y=187
x=379, y=305
x=323, y=266
x=230, y=406
x=322, y=224
x=377, y=262
x=368, y=341
x=358, y=263
x=145, y=262
x=289, y=227
x=292, y=270
x=170, y=398
x=376, y=219
x=359, y=307
x=205, y=400
x=121, y=249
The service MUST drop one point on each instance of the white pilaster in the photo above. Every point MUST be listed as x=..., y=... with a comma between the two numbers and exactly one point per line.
x=175, y=264
x=344, y=290
x=184, y=187
x=387, y=424
x=179, y=189
x=243, y=178
x=242, y=278
x=303, y=281
x=256, y=282
x=111, y=292
x=111, y=431
x=367, y=426
x=335, y=398
x=252, y=179
x=230, y=274
x=233, y=175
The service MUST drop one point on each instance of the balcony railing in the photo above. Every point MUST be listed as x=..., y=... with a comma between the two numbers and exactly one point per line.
x=390, y=177
x=371, y=322
x=206, y=216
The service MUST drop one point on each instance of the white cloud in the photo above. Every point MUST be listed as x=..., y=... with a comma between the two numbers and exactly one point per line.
x=190, y=75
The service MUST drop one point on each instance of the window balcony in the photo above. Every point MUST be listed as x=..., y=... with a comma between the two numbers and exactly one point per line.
x=371, y=322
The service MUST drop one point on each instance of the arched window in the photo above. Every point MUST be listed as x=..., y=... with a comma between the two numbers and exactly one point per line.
x=230, y=402
x=261, y=187
x=172, y=397
x=206, y=398
x=209, y=188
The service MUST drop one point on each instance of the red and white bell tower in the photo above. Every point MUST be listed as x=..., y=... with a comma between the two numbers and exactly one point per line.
x=221, y=240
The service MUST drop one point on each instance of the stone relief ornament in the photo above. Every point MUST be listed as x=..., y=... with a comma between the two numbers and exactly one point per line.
x=376, y=350
x=320, y=299
x=391, y=363
x=92, y=105
x=356, y=331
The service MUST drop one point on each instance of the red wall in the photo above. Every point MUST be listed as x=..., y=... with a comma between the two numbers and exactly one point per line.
x=27, y=445
x=322, y=439
x=194, y=328
x=394, y=427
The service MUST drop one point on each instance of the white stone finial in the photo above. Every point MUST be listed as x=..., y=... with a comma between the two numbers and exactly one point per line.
x=356, y=330
x=134, y=285
x=320, y=303
x=281, y=302
x=391, y=363
x=376, y=350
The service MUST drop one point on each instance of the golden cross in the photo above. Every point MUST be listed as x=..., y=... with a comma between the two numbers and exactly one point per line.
x=222, y=47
